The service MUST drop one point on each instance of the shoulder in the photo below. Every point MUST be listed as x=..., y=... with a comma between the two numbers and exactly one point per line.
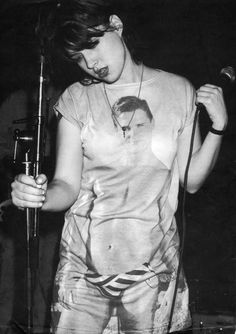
x=169, y=79
x=76, y=90
x=80, y=94
x=73, y=103
x=178, y=86
x=175, y=80
x=74, y=95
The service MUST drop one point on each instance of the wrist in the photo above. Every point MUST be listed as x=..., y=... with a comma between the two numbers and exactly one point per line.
x=216, y=131
x=220, y=125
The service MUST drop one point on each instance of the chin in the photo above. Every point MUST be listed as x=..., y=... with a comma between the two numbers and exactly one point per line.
x=109, y=80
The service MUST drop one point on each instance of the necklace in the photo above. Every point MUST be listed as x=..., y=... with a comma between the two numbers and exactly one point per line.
x=124, y=128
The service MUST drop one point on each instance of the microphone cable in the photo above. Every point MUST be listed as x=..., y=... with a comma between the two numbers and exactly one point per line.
x=183, y=216
x=227, y=76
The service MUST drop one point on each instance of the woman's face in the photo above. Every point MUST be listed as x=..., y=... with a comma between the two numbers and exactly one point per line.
x=106, y=60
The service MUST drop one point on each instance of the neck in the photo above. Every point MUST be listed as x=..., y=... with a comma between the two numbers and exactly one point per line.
x=131, y=71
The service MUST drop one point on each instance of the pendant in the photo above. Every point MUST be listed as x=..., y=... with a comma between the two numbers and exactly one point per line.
x=124, y=129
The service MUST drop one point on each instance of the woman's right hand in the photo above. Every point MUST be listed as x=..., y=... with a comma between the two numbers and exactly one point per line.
x=28, y=192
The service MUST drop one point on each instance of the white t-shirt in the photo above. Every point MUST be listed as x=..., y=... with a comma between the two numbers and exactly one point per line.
x=124, y=214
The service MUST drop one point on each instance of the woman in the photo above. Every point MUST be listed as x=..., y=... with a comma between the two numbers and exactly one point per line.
x=123, y=141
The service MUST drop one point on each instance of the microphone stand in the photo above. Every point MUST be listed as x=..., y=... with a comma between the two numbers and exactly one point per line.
x=33, y=144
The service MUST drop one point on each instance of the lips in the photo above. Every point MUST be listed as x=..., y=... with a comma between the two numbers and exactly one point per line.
x=102, y=72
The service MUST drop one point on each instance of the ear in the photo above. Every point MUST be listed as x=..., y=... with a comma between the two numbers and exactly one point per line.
x=116, y=23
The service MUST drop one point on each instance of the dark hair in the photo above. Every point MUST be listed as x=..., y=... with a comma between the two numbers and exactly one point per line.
x=75, y=24
x=131, y=103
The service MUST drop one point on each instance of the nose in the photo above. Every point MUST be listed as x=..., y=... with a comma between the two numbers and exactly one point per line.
x=90, y=60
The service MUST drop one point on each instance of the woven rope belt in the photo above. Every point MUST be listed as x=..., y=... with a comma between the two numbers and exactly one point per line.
x=113, y=285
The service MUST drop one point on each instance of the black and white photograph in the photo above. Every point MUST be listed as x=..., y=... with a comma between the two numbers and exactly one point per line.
x=117, y=167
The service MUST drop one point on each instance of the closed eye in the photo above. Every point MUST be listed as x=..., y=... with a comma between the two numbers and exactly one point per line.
x=140, y=124
x=79, y=57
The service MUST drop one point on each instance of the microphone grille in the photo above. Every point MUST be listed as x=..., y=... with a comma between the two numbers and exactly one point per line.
x=229, y=72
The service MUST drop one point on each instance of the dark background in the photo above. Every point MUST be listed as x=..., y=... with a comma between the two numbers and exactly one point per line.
x=193, y=38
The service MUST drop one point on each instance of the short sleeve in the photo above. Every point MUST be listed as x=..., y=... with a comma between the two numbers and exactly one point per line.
x=190, y=103
x=68, y=106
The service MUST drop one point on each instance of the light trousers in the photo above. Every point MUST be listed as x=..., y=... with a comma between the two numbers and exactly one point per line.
x=142, y=308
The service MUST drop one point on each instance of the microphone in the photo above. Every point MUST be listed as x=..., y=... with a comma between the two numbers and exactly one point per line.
x=227, y=78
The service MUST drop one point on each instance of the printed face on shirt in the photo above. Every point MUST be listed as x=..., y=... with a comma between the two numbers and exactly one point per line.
x=132, y=111
x=105, y=61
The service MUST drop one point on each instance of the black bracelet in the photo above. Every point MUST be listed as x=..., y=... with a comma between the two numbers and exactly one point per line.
x=217, y=132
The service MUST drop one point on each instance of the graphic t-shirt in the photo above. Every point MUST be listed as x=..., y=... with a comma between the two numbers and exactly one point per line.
x=124, y=214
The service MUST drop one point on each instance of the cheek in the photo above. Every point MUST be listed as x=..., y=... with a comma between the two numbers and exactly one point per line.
x=119, y=49
x=115, y=49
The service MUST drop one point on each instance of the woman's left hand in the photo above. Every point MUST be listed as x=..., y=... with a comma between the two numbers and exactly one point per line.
x=212, y=98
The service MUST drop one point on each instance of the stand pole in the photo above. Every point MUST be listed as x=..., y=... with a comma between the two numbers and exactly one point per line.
x=28, y=273
x=32, y=142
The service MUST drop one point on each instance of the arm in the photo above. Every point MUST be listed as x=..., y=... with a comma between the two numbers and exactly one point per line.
x=204, y=155
x=65, y=186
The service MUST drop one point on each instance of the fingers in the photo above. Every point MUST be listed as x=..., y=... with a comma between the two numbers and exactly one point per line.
x=41, y=180
x=26, y=193
x=22, y=178
x=208, y=93
x=25, y=200
x=209, y=87
x=212, y=98
x=26, y=185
